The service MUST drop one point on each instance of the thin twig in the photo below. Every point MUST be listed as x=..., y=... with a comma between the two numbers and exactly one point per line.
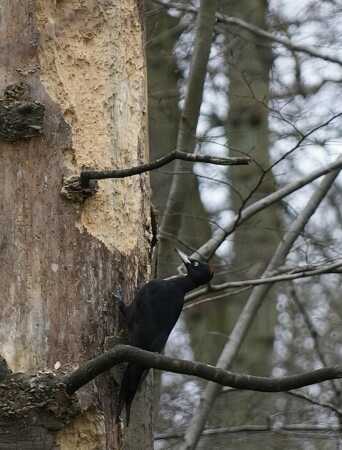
x=221, y=296
x=214, y=431
x=303, y=138
x=313, y=333
x=297, y=394
x=326, y=405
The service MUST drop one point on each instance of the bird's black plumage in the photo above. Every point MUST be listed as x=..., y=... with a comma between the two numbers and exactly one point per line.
x=151, y=318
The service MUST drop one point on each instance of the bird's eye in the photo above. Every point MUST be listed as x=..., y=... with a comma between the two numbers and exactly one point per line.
x=196, y=263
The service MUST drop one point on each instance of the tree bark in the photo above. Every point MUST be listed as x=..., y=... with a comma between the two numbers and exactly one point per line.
x=61, y=260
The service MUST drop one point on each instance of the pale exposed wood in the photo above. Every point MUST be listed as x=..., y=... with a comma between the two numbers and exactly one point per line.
x=60, y=261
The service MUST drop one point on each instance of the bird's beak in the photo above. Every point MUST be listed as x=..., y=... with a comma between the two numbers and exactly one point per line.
x=183, y=257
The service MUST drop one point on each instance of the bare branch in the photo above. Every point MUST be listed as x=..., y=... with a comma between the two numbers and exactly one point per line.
x=326, y=405
x=254, y=302
x=279, y=40
x=126, y=353
x=294, y=274
x=214, y=431
x=226, y=20
x=294, y=90
x=87, y=175
x=297, y=394
x=260, y=428
x=213, y=244
x=290, y=429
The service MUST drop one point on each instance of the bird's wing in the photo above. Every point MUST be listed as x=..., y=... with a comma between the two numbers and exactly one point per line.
x=158, y=306
x=159, y=342
x=149, y=293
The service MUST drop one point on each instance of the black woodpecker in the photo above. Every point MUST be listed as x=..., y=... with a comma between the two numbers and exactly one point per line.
x=151, y=318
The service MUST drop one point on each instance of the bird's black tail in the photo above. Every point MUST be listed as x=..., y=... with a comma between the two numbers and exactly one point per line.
x=131, y=380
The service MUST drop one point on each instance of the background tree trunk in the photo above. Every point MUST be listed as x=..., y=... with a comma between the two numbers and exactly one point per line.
x=248, y=66
x=164, y=77
x=248, y=63
x=61, y=260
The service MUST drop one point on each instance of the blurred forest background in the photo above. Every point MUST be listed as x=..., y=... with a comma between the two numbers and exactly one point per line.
x=272, y=92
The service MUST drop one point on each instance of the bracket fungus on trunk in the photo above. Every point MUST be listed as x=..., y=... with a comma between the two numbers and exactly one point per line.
x=20, y=116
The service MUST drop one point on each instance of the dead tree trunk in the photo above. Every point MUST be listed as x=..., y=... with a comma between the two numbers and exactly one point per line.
x=72, y=85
